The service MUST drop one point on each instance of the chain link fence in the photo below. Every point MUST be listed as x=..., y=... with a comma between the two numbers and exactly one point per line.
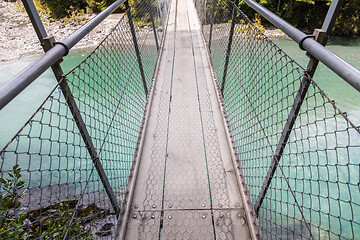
x=307, y=186
x=64, y=174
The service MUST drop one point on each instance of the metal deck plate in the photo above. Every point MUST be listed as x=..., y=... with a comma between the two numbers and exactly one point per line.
x=186, y=187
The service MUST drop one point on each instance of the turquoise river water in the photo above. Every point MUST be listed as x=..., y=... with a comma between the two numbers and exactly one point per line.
x=13, y=116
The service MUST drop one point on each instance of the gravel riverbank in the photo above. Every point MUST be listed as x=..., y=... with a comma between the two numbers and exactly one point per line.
x=18, y=38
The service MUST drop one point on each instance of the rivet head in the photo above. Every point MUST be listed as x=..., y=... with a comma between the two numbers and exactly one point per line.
x=204, y=205
x=238, y=205
x=135, y=216
x=221, y=215
x=152, y=216
x=219, y=205
x=136, y=207
x=203, y=216
x=239, y=215
x=153, y=206
x=170, y=205
x=170, y=217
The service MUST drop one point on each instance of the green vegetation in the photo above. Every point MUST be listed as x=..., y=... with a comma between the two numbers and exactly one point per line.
x=9, y=199
x=303, y=14
x=46, y=223
x=54, y=225
x=310, y=14
x=68, y=8
x=73, y=9
x=11, y=187
x=348, y=22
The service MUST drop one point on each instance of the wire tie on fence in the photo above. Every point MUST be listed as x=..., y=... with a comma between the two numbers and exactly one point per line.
x=65, y=46
x=303, y=39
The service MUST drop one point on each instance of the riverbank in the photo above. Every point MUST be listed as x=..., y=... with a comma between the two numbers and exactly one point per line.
x=19, y=39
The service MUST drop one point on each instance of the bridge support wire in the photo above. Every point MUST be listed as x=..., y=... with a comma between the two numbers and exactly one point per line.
x=136, y=46
x=212, y=23
x=151, y=13
x=228, y=50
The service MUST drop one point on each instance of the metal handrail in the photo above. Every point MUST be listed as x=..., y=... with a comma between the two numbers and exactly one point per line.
x=342, y=68
x=18, y=83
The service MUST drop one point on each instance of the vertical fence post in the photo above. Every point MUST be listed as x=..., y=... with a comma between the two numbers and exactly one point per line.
x=35, y=19
x=151, y=13
x=136, y=46
x=205, y=17
x=320, y=35
x=228, y=50
x=212, y=23
x=203, y=21
x=47, y=43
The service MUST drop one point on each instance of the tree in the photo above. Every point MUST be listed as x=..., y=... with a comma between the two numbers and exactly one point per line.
x=310, y=14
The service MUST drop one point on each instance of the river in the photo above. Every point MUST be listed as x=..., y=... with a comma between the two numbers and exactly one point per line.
x=346, y=97
x=13, y=116
x=17, y=112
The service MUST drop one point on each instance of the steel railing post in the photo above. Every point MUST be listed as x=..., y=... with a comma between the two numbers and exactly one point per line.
x=228, y=50
x=151, y=13
x=47, y=43
x=300, y=96
x=35, y=19
x=205, y=15
x=212, y=23
x=136, y=46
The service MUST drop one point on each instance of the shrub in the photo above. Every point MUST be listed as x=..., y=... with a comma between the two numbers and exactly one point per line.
x=47, y=225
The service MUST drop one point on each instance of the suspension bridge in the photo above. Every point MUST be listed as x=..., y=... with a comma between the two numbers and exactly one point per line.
x=186, y=122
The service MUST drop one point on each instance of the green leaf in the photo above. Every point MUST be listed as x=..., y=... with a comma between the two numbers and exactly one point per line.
x=2, y=180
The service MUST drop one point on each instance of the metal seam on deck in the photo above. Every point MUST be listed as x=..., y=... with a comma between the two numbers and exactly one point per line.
x=212, y=146
x=167, y=136
x=202, y=130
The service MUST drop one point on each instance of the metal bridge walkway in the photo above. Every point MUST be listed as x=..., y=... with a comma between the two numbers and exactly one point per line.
x=186, y=186
x=117, y=148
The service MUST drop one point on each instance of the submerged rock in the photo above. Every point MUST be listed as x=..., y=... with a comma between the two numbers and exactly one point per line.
x=105, y=230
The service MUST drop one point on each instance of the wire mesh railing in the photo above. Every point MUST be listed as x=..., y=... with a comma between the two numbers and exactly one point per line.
x=307, y=186
x=64, y=174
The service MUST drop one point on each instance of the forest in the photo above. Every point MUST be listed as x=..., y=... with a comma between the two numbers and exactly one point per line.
x=303, y=14
x=310, y=14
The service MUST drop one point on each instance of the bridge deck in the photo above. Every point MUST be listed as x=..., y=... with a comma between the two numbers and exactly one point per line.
x=186, y=186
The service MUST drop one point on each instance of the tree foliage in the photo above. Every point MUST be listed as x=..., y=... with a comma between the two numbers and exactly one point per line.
x=304, y=14
x=67, y=8
x=348, y=22
x=51, y=223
